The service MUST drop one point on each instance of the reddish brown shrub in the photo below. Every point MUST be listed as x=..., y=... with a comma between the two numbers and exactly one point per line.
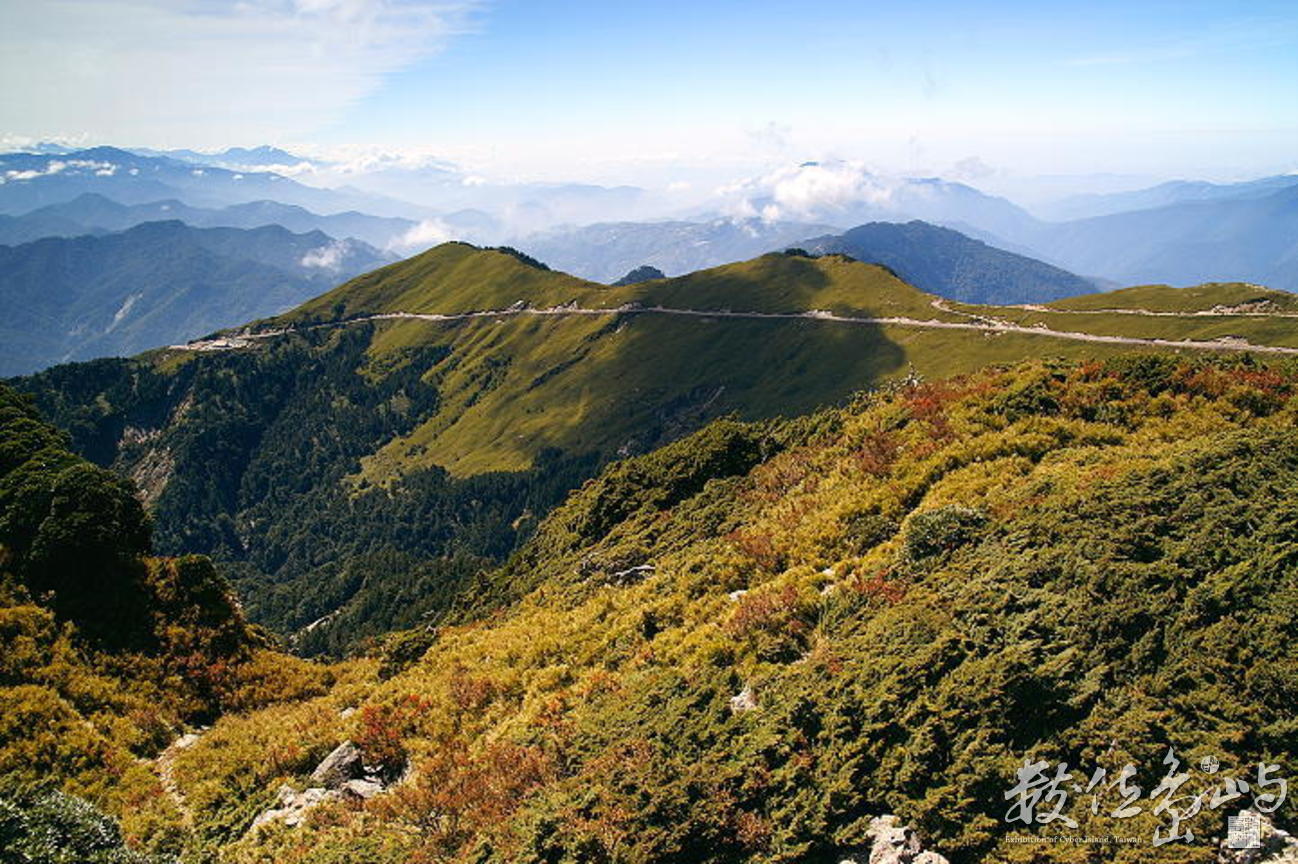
x=877, y=453
x=758, y=547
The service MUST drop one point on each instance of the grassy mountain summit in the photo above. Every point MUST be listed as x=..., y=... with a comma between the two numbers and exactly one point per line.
x=458, y=277
x=355, y=462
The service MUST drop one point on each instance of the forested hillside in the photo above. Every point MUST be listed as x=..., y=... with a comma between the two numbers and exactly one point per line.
x=745, y=645
x=106, y=654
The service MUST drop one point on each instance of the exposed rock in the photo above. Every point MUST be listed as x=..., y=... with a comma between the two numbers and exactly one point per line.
x=631, y=575
x=1272, y=845
x=293, y=806
x=184, y=742
x=736, y=595
x=743, y=701
x=361, y=790
x=343, y=764
x=1248, y=307
x=893, y=843
x=152, y=473
x=347, y=712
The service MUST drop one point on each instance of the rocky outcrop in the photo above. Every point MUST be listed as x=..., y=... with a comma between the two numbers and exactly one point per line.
x=630, y=576
x=291, y=806
x=891, y=842
x=361, y=790
x=744, y=700
x=343, y=764
x=340, y=776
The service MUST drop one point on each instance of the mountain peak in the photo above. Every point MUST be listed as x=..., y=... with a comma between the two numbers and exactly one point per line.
x=945, y=262
x=643, y=273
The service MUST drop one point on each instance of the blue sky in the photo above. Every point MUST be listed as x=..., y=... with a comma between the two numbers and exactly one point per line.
x=650, y=91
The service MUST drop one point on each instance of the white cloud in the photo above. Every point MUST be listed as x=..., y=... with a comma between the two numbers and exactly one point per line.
x=806, y=191
x=328, y=257
x=370, y=160
x=61, y=166
x=203, y=72
x=296, y=169
x=971, y=168
x=430, y=232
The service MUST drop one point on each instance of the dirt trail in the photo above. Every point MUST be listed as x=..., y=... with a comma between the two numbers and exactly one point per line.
x=975, y=322
x=165, y=765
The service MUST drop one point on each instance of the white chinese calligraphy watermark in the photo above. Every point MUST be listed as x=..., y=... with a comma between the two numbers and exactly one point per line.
x=1041, y=796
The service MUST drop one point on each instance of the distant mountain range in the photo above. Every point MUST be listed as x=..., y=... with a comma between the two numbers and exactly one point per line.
x=1249, y=237
x=234, y=158
x=92, y=213
x=939, y=260
x=1162, y=195
x=33, y=180
x=1185, y=232
x=157, y=283
x=447, y=203
x=949, y=264
x=608, y=250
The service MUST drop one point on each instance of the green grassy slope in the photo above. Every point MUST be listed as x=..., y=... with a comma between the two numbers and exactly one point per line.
x=1257, y=329
x=1165, y=298
x=453, y=277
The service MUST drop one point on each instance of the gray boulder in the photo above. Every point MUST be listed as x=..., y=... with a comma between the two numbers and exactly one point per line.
x=292, y=806
x=343, y=764
x=361, y=790
x=744, y=700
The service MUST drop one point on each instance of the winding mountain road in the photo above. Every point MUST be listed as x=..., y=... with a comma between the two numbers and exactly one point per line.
x=976, y=322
